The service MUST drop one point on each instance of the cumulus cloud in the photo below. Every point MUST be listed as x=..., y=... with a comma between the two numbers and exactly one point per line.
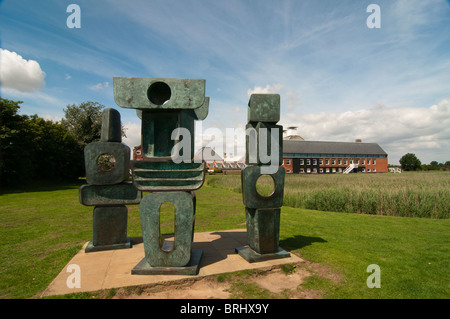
x=424, y=131
x=100, y=86
x=133, y=132
x=267, y=89
x=18, y=73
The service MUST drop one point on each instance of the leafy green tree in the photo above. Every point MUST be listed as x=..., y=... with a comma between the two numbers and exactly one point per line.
x=61, y=155
x=32, y=148
x=410, y=162
x=15, y=143
x=84, y=121
x=434, y=163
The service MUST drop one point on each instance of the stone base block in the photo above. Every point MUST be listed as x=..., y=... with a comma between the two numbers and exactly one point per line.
x=143, y=268
x=90, y=247
x=252, y=256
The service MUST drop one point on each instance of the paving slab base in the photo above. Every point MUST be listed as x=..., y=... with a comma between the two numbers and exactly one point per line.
x=94, y=271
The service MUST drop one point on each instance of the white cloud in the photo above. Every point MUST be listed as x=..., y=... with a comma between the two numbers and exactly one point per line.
x=424, y=131
x=18, y=73
x=39, y=97
x=100, y=86
x=267, y=89
x=53, y=118
x=133, y=132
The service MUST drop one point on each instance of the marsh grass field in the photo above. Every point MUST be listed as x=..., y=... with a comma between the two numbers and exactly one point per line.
x=410, y=194
x=342, y=223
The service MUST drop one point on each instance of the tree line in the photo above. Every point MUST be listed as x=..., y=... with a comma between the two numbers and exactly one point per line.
x=35, y=149
x=410, y=162
x=32, y=148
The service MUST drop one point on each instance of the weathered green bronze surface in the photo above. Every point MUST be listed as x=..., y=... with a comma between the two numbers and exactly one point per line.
x=168, y=109
x=109, y=195
x=111, y=126
x=199, y=113
x=158, y=93
x=251, y=197
x=143, y=267
x=264, y=150
x=180, y=254
x=264, y=108
x=117, y=174
x=107, y=167
x=109, y=229
x=260, y=144
x=156, y=130
x=167, y=176
x=263, y=228
x=252, y=256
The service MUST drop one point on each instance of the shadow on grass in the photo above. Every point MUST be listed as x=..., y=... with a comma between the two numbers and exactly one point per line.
x=299, y=241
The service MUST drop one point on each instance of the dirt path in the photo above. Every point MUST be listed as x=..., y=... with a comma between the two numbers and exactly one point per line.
x=275, y=282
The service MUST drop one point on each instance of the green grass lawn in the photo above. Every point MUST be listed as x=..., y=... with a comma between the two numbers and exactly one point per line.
x=42, y=229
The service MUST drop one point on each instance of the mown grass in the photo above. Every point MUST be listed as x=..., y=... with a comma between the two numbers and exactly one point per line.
x=407, y=195
x=44, y=227
x=413, y=253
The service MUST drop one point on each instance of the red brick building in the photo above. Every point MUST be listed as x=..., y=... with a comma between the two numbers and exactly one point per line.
x=314, y=157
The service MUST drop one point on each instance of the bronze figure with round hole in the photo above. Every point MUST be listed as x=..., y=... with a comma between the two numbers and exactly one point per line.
x=264, y=149
x=168, y=109
x=107, y=166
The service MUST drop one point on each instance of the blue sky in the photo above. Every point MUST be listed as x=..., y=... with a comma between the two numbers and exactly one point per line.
x=338, y=79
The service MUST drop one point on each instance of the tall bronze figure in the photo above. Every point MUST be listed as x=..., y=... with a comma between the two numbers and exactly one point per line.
x=107, y=170
x=167, y=109
x=264, y=151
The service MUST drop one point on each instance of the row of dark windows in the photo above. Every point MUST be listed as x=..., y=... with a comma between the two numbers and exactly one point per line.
x=326, y=170
x=305, y=155
x=319, y=162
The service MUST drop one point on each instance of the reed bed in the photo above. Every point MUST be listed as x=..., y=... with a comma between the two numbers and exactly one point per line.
x=411, y=194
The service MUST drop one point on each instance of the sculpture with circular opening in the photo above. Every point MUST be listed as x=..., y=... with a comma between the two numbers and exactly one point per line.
x=168, y=109
x=265, y=185
x=159, y=93
x=107, y=166
x=262, y=192
x=106, y=162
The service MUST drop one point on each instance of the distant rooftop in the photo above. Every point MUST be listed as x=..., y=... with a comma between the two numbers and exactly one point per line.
x=320, y=147
x=208, y=154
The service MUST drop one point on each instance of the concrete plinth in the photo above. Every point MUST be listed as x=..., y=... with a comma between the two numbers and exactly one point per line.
x=143, y=267
x=252, y=256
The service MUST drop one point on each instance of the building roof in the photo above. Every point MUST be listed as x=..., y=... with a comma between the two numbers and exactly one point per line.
x=207, y=154
x=294, y=137
x=319, y=147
